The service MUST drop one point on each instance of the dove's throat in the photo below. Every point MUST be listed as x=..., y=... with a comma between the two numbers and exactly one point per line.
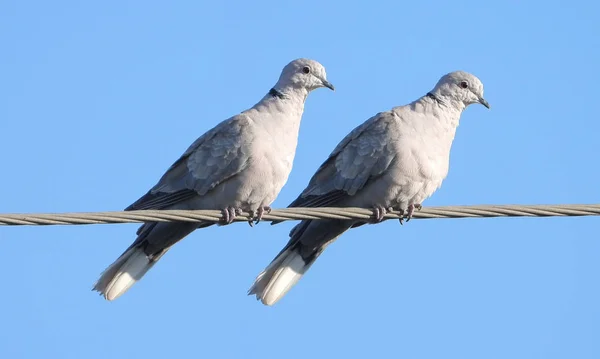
x=280, y=113
x=446, y=111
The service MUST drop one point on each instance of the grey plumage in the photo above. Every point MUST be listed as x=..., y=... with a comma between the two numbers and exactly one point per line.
x=240, y=164
x=397, y=159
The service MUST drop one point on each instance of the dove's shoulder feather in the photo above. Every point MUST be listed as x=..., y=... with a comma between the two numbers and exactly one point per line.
x=364, y=154
x=213, y=158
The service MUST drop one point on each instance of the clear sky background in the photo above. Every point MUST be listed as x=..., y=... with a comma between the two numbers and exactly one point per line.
x=97, y=100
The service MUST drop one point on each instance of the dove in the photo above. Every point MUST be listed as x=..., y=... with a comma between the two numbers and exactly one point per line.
x=239, y=165
x=393, y=161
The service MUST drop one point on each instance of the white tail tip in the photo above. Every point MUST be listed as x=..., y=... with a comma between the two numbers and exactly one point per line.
x=279, y=277
x=124, y=273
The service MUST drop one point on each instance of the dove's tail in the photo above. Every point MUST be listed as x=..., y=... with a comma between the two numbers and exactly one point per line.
x=295, y=259
x=123, y=273
x=280, y=276
x=153, y=241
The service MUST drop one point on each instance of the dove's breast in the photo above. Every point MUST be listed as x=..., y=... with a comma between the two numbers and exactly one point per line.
x=271, y=153
x=279, y=155
x=429, y=152
x=421, y=159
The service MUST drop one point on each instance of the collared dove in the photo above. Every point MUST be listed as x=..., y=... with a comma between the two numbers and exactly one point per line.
x=239, y=165
x=396, y=159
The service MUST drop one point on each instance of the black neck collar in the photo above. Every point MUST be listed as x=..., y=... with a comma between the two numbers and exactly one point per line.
x=434, y=97
x=276, y=93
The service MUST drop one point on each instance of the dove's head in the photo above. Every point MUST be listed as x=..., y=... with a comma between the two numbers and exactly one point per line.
x=461, y=88
x=303, y=74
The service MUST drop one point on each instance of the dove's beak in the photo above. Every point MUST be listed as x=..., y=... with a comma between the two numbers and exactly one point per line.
x=484, y=102
x=328, y=84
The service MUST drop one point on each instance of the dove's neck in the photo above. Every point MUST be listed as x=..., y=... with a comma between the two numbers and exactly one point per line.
x=446, y=102
x=445, y=109
x=281, y=111
x=286, y=90
x=440, y=119
x=284, y=101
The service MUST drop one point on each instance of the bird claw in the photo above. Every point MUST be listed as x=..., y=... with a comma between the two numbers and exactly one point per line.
x=255, y=218
x=408, y=214
x=401, y=219
x=411, y=210
x=229, y=214
x=379, y=213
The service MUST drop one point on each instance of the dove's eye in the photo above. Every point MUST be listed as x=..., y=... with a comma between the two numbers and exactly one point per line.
x=306, y=69
x=464, y=84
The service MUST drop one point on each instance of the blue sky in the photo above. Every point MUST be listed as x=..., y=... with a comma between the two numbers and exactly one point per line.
x=98, y=99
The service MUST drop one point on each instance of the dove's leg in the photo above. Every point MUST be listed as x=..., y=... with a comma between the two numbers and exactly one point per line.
x=379, y=213
x=229, y=214
x=255, y=218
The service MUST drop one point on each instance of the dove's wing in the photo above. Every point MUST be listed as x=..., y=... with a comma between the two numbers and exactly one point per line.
x=212, y=159
x=361, y=157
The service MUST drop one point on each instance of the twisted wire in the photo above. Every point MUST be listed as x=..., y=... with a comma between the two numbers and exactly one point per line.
x=292, y=214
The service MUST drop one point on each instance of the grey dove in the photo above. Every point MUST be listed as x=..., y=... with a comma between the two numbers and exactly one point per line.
x=239, y=165
x=394, y=160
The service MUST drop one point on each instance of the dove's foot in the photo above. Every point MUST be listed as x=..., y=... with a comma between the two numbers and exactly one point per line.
x=379, y=213
x=408, y=214
x=411, y=210
x=229, y=214
x=255, y=218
